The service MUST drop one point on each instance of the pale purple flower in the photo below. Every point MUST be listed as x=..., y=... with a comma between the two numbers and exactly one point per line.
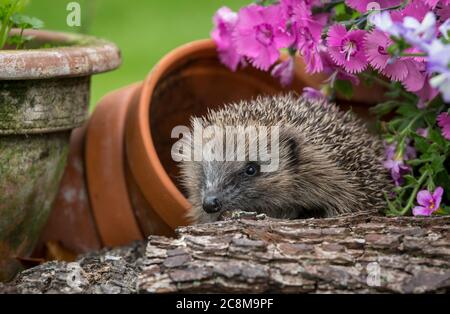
x=439, y=63
x=429, y=202
x=224, y=24
x=308, y=37
x=284, y=71
x=384, y=22
x=419, y=34
x=313, y=94
x=346, y=48
x=444, y=124
x=260, y=34
x=445, y=29
x=423, y=132
x=395, y=163
x=366, y=5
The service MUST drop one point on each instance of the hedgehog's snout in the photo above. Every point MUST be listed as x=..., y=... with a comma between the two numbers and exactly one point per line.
x=211, y=204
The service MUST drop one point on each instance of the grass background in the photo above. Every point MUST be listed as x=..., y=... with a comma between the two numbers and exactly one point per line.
x=145, y=30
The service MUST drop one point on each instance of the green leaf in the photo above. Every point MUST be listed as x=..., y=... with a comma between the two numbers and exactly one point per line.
x=24, y=22
x=345, y=88
x=385, y=107
x=422, y=145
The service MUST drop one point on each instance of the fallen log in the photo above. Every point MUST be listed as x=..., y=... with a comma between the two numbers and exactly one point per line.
x=361, y=253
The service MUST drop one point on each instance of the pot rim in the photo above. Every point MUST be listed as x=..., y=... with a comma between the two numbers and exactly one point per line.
x=143, y=147
x=84, y=56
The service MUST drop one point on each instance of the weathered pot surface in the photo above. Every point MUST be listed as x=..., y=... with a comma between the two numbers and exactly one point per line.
x=44, y=94
x=71, y=223
x=105, y=166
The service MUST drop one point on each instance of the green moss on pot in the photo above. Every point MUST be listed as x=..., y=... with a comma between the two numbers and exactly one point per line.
x=44, y=94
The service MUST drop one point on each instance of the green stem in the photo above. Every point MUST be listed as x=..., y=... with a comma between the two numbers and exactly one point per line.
x=413, y=55
x=6, y=24
x=388, y=85
x=414, y=194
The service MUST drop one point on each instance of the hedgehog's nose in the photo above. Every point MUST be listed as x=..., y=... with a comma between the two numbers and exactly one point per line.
x=211, y=204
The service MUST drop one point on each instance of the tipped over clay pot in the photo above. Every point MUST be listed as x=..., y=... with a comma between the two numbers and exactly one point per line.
x=132, y=180
x=44, y=94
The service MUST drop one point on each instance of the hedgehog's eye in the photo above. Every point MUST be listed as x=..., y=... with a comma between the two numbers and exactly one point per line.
x=252, y=170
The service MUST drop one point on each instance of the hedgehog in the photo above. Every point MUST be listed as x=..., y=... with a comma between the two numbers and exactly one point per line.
x=328, y=163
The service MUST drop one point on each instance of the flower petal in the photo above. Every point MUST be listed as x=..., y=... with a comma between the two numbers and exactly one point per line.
x=424, y=198
x=422, y=211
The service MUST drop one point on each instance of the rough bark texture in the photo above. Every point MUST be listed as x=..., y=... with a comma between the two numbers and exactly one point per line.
x=338, y=255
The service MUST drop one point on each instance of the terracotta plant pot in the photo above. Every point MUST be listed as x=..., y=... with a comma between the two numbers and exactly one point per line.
x=106, y=174
x=44, y=94
x=132, y=180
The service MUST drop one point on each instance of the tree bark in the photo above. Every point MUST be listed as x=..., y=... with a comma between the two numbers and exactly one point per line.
x=339, y=255
x=361, y=253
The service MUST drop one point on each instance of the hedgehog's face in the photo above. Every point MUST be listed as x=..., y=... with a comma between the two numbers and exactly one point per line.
x=218, y=187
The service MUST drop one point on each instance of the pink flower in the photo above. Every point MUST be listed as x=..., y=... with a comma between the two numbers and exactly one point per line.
x=416, y=9
x=346, y=48
x=433, y=3
x=443, y=13
x=330, y=68
x=308, y=37
x=224, y=23
x=260, y=34
x=377, y=44
x=284, y=71
x=366, y=5
x=426, y=94
x=444, y=123
x=429, y=203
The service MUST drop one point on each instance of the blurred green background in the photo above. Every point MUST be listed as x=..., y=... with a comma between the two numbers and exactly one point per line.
x=145, y=30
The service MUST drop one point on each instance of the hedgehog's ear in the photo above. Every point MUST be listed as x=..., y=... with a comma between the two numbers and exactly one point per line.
x=290, y=145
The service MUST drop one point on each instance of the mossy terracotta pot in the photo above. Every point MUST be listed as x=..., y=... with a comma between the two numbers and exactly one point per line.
x=44, y=94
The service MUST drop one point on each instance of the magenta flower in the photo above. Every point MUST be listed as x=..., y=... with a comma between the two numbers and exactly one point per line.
x=433, y=3
x=331, y=68
x=260, y=34
x=366, y=5
x=429, y=203
x=224, y=24
x=444, y=123
x=308, y=37
x=416, y=9
x=284, y=71
x=377, y=44
x=346, y=48
x=416, y=77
